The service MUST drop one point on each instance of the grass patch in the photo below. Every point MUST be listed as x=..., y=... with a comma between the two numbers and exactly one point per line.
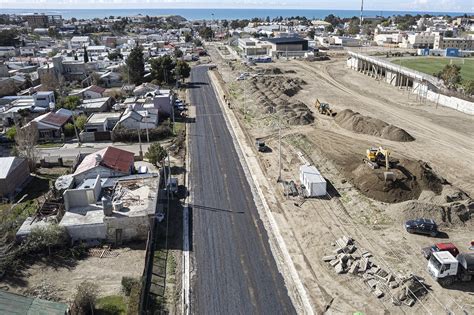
x=111, y=305
x=433, y=65
x=50, y=145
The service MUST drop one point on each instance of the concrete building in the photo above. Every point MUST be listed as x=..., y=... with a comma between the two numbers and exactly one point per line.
x=420, y=40
x=288, y=46
x=14, y=174
x=96, y=105
x=7, y=51
x=252, y=47
x=79, y=42
x=461, y=43
x=138, y=119
x=108, y=162
x=99, y=122
x=43, y=20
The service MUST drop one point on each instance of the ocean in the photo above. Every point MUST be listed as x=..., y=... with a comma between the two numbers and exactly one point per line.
x=220, y=14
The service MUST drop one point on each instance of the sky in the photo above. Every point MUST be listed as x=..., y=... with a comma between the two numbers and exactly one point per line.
x=387, y=5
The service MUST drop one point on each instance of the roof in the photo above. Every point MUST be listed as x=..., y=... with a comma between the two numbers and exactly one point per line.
x=95, y=100
x=98, y=118
x=110, y=157
x=445, y=257
x=11, y=303
x=286, y=40
x=7, y=164
x=53, y=119
x=94, y=88
x=445, y=246
x=312, y=174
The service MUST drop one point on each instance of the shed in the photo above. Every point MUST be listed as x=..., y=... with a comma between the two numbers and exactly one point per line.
x=14, y=175
x=313, y=181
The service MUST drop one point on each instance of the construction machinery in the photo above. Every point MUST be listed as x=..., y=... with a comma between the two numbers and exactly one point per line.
x=379, y=157
x=447, y=269
x=324, y=108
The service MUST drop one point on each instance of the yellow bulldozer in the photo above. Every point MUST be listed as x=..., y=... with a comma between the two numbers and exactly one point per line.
x=324, y=108
x=380, y=157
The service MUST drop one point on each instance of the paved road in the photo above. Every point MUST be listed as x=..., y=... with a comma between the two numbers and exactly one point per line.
x=235, y=270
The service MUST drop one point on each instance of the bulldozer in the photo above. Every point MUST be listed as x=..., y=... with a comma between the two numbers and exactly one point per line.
x=380, y=157
x=324, y=108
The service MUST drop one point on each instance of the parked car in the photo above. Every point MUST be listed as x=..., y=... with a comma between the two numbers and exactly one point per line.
x=172, y=185
x=422, y=226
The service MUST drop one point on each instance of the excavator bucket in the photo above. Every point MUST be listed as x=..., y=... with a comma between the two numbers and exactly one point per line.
x=389, y=176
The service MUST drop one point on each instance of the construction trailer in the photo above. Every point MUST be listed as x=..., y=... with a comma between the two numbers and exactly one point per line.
x=312, y=180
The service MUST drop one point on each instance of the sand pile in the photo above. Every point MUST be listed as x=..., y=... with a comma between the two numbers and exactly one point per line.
x=358, y=123
x=412, y=177
x=273, y=95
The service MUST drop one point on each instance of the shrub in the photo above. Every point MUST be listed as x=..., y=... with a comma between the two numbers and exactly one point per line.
x=155, y=154
x=10, y=134
x=47, y=237
x=134, y=299
x=131, y=135
x=69, y=130
x=127, y=284
x=85, y=298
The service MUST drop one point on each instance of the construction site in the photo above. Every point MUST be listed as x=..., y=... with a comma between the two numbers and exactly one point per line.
x=386, y=156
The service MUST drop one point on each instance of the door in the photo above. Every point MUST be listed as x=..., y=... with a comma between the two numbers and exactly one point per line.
x=118, y=237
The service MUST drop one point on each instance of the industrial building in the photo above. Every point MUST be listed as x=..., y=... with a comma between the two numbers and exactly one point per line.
x=288, y=46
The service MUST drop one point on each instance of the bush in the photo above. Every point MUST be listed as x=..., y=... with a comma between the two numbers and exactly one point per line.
x=69, y=130
x=11, y=133
x=42, y=238
x=80, y=121
x=156, y=154
x=85, y=299
x=127, y=284
x=134, y=299
x=129, y=135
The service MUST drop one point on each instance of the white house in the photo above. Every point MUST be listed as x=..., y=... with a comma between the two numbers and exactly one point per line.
x=138, y=119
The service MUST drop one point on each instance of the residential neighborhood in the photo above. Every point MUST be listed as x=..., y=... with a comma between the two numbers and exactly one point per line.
x=236, y=161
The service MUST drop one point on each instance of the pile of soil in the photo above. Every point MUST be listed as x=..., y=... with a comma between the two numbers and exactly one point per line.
x=273, y=95
x=412, y=177
x=359, y=123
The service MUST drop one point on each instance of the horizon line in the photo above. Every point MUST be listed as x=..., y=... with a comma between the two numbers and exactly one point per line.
x=248, y=8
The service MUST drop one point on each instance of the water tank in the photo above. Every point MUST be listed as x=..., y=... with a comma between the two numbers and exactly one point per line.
x=107, y=206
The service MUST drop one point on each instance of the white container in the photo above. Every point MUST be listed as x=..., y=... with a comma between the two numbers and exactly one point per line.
x=313, y=181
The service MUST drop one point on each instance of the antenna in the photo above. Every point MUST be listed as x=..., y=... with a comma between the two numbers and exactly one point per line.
x=361, y=12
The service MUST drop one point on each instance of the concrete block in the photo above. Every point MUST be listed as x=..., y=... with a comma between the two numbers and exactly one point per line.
x=329, y=258
x=351, y=249
x=338, y=250
x=363, y=264
x=372, y=283
x=334, y=262
x=344, y=258
x=354, y=267
x=378, y=293
x=339, y=268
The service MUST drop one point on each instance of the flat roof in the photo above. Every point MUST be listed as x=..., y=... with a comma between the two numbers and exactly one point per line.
x=97, y=118
x=286, y=40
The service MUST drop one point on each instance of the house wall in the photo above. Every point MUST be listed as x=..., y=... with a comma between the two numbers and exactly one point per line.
x=15, y=180
x=133, y=228
x=87, y=231
x=98, y=170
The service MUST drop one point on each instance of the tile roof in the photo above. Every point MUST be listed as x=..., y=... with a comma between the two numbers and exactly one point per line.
x=110, y=157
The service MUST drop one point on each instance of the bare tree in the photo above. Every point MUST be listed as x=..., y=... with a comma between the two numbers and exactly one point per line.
x=26, y=139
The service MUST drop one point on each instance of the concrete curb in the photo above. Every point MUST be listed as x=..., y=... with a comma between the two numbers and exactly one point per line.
x=285, y=264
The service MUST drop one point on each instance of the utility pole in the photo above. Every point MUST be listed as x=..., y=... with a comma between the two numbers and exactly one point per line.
x=361, y=13
x=279, y=149
x=75, y=129
x=140, y=153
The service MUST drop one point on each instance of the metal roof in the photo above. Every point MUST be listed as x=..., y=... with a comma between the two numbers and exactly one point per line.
x=11, y=303
x=8, y=164
x=110, y=157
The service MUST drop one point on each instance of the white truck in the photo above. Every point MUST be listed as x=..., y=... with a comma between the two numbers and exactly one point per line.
x=447, y=269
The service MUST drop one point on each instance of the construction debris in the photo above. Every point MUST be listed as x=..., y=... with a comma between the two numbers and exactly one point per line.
x=348, y=258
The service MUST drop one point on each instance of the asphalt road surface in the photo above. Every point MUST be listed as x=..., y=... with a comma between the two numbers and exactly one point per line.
x=235, y=270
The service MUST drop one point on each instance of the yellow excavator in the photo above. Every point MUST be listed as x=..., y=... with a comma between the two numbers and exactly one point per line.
x=380, y=157
x=324, y=108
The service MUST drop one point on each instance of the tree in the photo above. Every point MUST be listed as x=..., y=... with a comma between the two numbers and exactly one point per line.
x=136, y=65
x=225, y=23
x=468, y=86
x=451, y=75
x=197, y=42
x=26, y=139
x=85, y=298
x=156, y=153
x=42, y=238
x=182, y=69
x=86, y=55
x=114, y=55
x=69, y=130
x=188, y=37
x=354, y=28
x=206, y=32
x=234, y=24
x=9, y=38
x=70, y=102
x=11, y=133
x=162, y=69
x=334, y=20
x=178, y=53
x=329, y=28
x=80, y=121
x=310, y=34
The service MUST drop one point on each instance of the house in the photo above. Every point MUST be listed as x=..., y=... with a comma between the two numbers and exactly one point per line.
x=98, y=122
x=138, y=119
x=79, y=42
x=108, y=162
x=44, y=99
x=90, y=92
x=51, y=125
x=96, y=105
x=14, y=174
x=11, y=303
x=7, y=51
x=111, y=79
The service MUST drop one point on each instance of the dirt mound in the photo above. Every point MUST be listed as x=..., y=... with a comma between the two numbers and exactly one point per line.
x=358, y=123
x=412, y=177
x=449, y=214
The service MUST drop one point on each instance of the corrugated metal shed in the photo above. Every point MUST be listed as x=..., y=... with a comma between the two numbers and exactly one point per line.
x=11, y=303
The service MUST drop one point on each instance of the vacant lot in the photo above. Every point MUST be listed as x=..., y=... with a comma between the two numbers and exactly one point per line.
x=432, y=65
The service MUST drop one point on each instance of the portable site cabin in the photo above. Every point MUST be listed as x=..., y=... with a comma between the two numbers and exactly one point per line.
x=313, y=181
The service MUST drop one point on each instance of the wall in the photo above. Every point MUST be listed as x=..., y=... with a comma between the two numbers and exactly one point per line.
x=15, y=180
x=82, y=197
x=87, y=231
x=133, y=228
x=98, y=170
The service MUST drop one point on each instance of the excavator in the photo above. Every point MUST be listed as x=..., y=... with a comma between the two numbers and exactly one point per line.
x=379, y=157
x=324, y=109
